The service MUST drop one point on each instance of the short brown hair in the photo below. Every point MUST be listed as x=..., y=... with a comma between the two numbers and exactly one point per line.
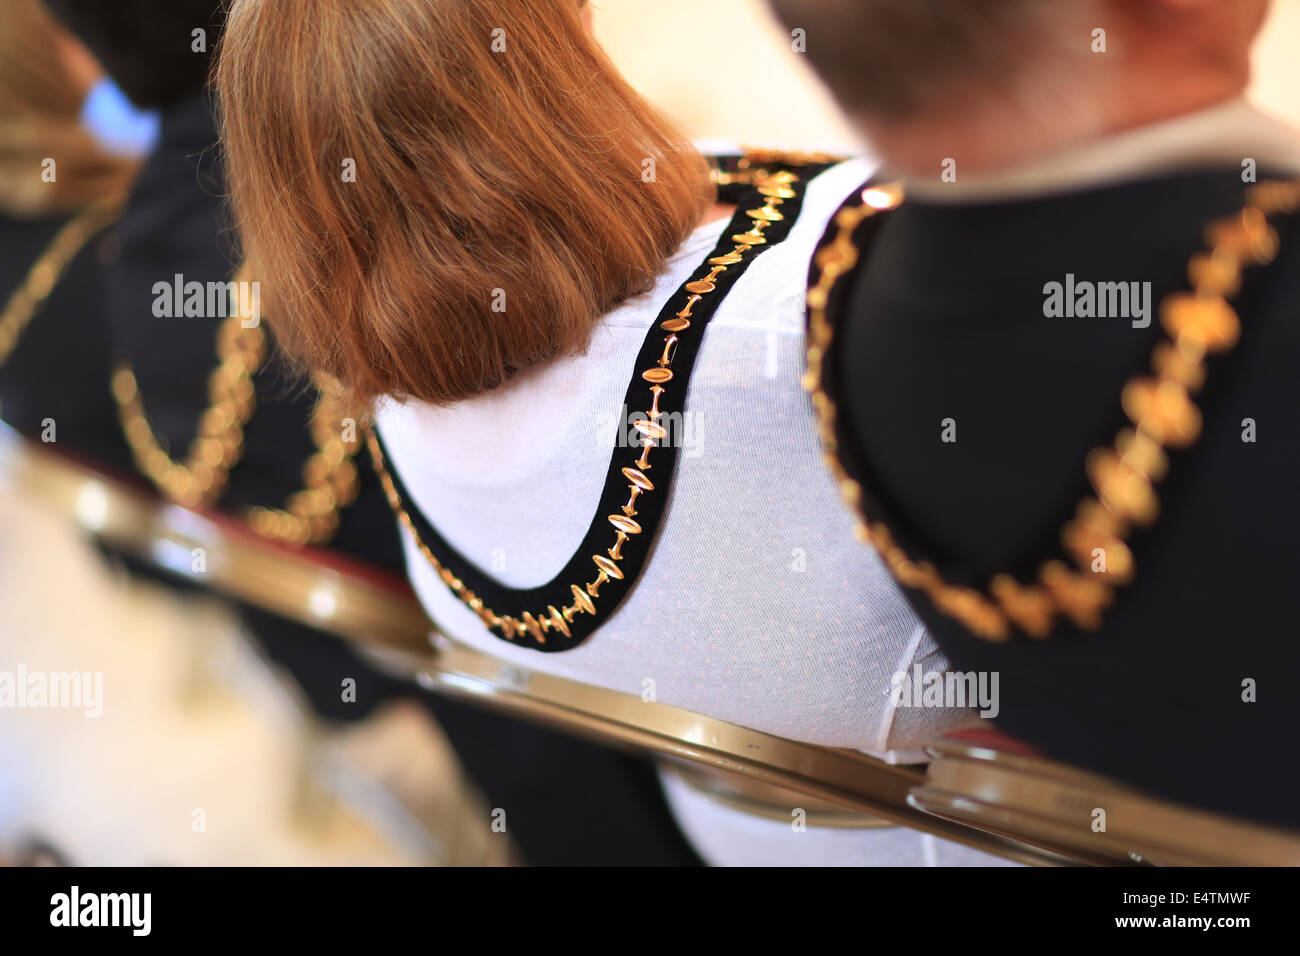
x=890, y=57
x=501, y=162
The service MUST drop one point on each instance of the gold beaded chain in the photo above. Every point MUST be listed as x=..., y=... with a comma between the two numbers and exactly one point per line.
x=756, y=163
x=199, y=480
x=311, y=515
x=774, y=186
x=1159, y=406
x=46, y=272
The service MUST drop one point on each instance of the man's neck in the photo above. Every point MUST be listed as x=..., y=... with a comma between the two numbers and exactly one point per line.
x=1008, y=126
x=1226, y=133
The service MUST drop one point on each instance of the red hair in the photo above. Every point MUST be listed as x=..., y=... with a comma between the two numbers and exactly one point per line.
x=501, y=163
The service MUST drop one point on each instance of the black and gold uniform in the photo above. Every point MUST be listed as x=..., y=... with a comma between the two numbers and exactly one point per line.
x=1097, y=503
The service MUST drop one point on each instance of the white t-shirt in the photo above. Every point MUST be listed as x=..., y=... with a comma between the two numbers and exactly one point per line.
x=757, y=605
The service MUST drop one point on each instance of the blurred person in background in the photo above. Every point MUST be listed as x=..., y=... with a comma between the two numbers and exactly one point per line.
x=1062, y=372
x=174, y=223
x=60, y=188
x=464, y=214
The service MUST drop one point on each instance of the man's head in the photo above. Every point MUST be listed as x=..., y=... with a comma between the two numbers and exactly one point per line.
x=900, y=67
x=156, y=52
x=44, y=77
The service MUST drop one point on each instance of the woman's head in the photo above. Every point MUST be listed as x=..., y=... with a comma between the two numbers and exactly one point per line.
x=438, y=193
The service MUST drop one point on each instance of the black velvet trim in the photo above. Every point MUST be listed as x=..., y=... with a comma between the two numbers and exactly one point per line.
x=600, y=537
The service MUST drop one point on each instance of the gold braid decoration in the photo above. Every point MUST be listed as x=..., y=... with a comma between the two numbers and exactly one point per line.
x=311, y=515
x=753, y=165
x=1123, y=476
x=46, y=272
x=199, y=480
x=775, y=189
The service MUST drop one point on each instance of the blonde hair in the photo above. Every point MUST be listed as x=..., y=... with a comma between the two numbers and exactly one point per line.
x=510, y=187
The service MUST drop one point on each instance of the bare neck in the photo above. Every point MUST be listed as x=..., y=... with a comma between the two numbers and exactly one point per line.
x=1002, y=133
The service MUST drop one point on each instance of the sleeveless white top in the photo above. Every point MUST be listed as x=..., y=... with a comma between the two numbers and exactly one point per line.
x=757, y=605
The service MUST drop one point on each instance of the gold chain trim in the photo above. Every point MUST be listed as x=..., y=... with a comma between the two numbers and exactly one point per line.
x=1160, y=407
x=330, y=479
x=46, y=272
x=200, y=479
x=775, y=189
x=754, y=165
x=311, y=515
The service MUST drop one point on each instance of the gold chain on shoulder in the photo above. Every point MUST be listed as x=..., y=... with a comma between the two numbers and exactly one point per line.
x=1122, y=476
x=200, y=479
x=774, y=187
x=755, y=164
x=45, y=273
x=311, y=515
